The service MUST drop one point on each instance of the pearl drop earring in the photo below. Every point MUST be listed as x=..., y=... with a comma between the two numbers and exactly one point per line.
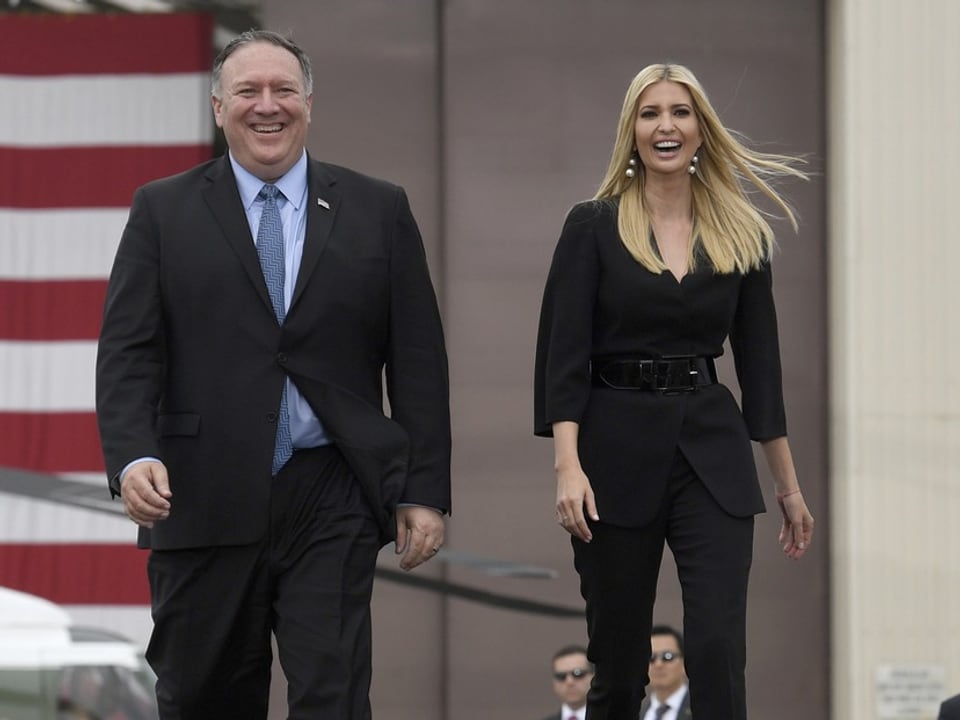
x=631, y=171
x=693, y=163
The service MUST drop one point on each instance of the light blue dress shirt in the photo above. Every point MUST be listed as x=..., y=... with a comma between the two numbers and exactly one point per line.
x=305, y=428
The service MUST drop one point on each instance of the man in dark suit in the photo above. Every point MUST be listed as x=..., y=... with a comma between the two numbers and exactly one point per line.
x=950, y=709
x=667, y=697
x=572, y=673
x=254, y=305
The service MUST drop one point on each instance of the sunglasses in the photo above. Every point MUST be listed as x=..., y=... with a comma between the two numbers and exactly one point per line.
x=576, y=674
x=668, y=656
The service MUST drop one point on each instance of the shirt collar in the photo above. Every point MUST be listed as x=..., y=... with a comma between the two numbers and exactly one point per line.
x=568, y=712
x=293, y=184
x=674, y=701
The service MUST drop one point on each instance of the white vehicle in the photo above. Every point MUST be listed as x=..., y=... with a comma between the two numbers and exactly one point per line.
x=53, y=670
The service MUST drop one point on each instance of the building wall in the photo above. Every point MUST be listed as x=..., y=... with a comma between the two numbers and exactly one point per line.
x=894, y=95
x=497, y=116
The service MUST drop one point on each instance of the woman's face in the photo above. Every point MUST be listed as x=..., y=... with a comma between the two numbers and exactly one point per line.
x=666, y=132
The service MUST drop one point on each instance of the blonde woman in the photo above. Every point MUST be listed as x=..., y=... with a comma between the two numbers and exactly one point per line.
x=648, y=280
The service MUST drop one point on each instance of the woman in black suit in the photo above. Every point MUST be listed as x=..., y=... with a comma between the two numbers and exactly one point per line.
x=648, y=280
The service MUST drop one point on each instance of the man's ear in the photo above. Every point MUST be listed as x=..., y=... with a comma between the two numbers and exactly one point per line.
x=217, y=105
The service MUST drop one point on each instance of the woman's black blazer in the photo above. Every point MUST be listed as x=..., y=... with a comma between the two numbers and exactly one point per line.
x=599, y=301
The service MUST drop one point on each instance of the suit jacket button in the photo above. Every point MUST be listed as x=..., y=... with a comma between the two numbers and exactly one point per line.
x=282, y=358
x=271, y=417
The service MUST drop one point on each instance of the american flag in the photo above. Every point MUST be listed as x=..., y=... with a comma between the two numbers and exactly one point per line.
x=93, y=106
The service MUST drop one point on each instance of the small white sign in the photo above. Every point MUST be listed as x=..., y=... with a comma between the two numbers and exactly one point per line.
x=909, y=692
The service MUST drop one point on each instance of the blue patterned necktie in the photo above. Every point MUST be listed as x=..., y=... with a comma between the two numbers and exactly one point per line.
x=661, y=711
x=270, y=250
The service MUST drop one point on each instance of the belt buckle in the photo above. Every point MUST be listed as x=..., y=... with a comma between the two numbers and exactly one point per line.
x=675, y=375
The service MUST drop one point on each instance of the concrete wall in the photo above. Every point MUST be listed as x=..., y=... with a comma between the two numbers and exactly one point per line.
x=895, y=404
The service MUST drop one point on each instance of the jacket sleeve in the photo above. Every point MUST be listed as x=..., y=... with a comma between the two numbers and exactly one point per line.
x=565, y=336
x=416, y=368
x=756, y=352
x=130, y=353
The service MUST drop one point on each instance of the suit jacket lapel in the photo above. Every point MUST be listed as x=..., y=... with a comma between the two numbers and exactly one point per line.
x=223, y=200
x=323, y=202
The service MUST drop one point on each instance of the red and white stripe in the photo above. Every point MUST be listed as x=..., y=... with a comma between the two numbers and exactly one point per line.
x=98, y=105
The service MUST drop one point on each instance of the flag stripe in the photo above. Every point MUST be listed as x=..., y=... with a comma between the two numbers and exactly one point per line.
x=103, y=43
x=79, y=177
x=74, y=244
x=51, y=310
x=62, y=523
x=89, y=478
x=50, y=442
x=104, y=103
x=142, y=110
x=50, y=377
x=77, y=574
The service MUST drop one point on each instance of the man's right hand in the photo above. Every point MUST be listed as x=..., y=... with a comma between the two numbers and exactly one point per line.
x=145, y=490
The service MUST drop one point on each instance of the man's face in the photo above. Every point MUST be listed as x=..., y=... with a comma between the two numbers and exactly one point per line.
x=572, y=687
x=666, y=676
x=263, y=108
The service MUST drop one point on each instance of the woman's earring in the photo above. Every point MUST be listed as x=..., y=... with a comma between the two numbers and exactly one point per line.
x=693, y=163
x=631, y=171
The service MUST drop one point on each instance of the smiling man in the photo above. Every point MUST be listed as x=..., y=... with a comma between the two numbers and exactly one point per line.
x=255, y=304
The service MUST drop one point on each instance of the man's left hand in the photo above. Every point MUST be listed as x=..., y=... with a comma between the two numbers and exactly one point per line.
x=419, y=534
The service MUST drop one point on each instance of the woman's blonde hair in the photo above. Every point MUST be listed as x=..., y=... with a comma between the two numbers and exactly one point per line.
x=727, y=226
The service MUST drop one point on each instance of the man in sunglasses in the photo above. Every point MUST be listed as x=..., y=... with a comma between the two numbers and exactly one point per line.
x=667, y=696
x=572, y=673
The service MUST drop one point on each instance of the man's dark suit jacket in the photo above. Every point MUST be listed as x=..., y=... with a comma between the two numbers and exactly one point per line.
x=192, y=362
x=950, y=709
x=682, y=714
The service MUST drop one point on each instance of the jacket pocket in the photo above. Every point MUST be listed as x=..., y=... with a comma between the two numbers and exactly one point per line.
x=172, y=424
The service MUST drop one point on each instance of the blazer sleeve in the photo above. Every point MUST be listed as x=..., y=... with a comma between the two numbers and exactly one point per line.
x=130, y=358
x=565, y=335
x=756, y=351
x=416, y=368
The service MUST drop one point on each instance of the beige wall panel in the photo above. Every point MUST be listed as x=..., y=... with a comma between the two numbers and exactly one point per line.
x=895, y=77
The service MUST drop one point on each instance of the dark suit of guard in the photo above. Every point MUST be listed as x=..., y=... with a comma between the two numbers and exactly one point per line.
x=950, y=709
x=683, y=712
x=190, y=370
x=675, y=468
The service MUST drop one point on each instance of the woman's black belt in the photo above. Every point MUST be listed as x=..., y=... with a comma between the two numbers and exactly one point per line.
x=668, y=375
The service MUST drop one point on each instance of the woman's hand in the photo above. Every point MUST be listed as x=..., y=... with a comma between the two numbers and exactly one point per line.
x=575, y=501
x=797, y=529
x=574, y=494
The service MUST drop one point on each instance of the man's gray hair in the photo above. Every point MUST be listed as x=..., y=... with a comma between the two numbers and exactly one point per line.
x=268, y=36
